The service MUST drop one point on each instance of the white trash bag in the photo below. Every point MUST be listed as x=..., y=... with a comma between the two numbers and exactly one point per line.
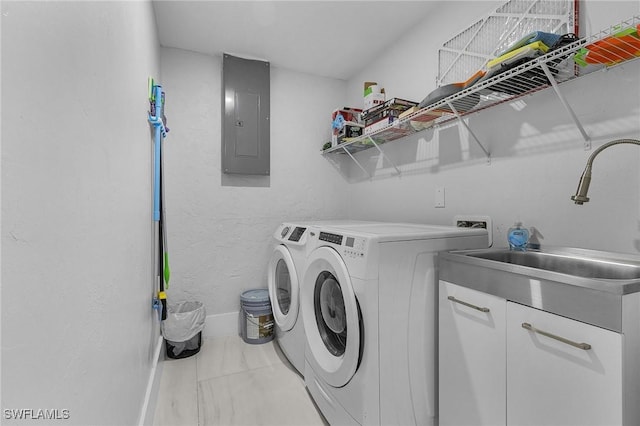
x=184, y=321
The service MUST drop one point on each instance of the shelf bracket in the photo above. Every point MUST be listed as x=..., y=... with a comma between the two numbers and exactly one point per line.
x=384, y=155
x=565, y=104
x=344, y=148
x=466, y=126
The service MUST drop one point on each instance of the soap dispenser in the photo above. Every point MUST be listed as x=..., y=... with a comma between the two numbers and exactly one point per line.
x=518, y=237
x=534, y=239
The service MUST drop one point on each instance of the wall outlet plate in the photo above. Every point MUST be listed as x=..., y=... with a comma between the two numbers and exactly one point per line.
x=439, y=198
x=475, y=221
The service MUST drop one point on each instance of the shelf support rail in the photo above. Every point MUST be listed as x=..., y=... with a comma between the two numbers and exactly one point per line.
x=460, y=120
x=565, y=104
x=357, y=162
x=384, y=155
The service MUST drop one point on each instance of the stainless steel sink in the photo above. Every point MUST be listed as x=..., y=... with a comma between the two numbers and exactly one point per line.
x=580, y=263
x=587, y=285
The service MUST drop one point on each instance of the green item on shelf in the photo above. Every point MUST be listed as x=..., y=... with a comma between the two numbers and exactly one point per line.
x=578, y=58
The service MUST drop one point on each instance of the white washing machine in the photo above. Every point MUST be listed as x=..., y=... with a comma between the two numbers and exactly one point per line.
x=285, y=270
x=368, y=300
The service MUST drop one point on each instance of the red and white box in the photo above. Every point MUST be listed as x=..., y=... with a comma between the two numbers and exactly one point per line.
x=351, y=126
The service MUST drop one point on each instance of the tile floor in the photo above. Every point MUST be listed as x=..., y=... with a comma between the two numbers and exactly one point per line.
x=230, y=382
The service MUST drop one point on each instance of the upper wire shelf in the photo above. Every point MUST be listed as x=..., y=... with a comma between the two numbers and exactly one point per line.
x=613, y=46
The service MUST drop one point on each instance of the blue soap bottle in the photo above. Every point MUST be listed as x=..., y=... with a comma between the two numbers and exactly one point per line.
x=518, y=237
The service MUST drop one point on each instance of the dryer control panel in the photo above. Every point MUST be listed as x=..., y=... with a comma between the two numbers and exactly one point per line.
x=291, y=234
x=296, y=233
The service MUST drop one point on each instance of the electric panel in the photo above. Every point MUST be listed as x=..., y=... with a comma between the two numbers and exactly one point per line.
x=245, y=121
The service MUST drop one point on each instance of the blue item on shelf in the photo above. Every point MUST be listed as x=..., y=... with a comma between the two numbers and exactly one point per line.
x=549, y=39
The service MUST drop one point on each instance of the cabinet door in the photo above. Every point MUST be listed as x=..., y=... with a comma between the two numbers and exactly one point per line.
x=472, y=349
x=553, y=382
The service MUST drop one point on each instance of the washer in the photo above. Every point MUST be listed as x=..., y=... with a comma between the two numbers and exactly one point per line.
x=368, y=298
x=285, y=270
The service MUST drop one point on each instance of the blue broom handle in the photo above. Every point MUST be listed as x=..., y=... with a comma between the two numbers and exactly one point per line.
x=157, y=153
x=156, y=177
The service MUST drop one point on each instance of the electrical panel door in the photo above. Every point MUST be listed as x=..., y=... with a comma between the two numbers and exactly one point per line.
x=245, y=121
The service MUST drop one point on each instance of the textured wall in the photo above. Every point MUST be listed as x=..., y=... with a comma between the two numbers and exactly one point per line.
x=220, y=235
x=77, y=328
x=537, y=152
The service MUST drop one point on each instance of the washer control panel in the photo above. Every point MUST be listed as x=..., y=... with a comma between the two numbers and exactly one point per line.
x=331, y=238
x=352, y=247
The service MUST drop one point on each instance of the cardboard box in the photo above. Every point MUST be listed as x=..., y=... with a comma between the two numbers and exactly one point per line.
x=373, y=100
x=373, y=94
x=349, y=114
x=349, y=126
x=371, y=87
x=350, y=130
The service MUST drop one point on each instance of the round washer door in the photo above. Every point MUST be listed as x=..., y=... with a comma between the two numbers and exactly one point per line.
x=283, y=288
x=331, y=317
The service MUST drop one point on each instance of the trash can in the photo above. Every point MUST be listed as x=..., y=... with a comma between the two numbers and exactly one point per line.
x=182, y=330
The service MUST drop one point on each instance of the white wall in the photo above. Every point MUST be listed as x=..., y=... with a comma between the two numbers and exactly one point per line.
x=78, y=330
x=537, y=153
x=220, y=236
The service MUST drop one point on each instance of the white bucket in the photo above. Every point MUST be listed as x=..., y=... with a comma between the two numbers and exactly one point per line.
x=257, y=317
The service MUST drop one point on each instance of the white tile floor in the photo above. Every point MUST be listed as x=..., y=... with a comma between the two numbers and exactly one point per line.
x=230, y=382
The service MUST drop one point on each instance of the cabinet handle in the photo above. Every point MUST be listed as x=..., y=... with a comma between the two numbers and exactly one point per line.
x=477, y=308
x=583, y=346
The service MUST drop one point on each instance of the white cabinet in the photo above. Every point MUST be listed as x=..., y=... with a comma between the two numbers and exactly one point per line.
x=502, y=363
x=561, y=371
x=472, y=349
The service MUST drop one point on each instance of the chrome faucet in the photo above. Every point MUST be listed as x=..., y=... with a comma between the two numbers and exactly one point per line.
x=585, y=179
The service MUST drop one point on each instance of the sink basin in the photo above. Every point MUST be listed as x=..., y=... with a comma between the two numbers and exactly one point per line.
x=586, y=285
x=576, y=262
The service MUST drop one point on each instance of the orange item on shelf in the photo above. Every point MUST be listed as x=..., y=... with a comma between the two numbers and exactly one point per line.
x=617, y=48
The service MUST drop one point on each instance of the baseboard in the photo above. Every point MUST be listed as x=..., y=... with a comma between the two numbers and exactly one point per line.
x=153, y=385
x=221, y=325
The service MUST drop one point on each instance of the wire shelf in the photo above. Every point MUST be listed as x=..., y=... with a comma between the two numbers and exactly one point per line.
x=606, y=49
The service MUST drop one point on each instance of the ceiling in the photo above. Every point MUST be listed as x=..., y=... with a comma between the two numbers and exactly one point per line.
x=327, y=38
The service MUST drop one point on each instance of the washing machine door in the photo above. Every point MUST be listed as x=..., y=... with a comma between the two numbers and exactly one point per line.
x=331, y=317
x=283, y=288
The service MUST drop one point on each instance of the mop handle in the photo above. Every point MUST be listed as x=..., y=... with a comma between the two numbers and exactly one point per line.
x=157, y=122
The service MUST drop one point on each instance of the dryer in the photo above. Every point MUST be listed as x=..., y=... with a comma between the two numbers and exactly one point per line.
x=285, y=266
x=368, y=298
